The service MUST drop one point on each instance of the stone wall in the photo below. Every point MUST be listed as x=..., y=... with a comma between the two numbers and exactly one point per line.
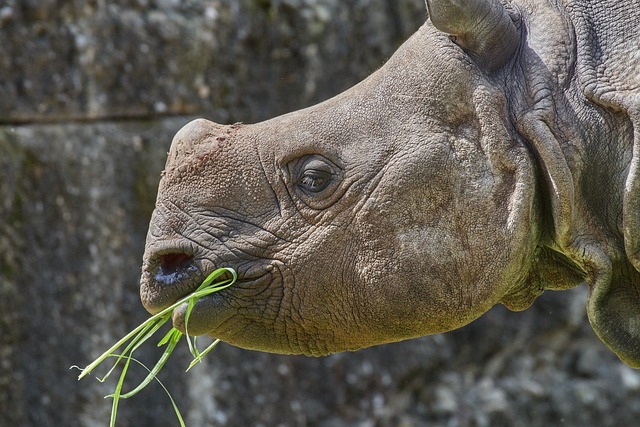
x=91, y=94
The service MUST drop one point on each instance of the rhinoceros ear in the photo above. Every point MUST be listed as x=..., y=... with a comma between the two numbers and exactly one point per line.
x=485, y=29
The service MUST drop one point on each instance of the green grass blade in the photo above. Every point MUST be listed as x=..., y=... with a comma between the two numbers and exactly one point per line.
x=200, y=292
x=217, y=273
x=143, y=336
x=119, y=357
x=191, y=304
x=175, y=337
x=168, y=336
x=173, y=402
x=116, y=394
x=144, y=331
x=133, y=335
x=202, y=354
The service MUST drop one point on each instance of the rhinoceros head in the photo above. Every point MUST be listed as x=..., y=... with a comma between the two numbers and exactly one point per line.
x=405, y=206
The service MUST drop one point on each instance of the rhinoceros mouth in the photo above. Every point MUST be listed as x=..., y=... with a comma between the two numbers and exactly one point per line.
x=214, y=310
x=173, y=273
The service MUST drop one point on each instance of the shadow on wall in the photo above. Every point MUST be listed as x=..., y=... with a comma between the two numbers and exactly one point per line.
x=91, y=95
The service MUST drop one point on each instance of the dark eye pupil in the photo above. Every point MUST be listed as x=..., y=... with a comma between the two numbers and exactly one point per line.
x=314, y=181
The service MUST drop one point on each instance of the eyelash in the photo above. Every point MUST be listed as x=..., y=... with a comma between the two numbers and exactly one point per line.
x=313, y=180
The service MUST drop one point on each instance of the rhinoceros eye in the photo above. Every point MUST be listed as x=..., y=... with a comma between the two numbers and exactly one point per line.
x=314, y=174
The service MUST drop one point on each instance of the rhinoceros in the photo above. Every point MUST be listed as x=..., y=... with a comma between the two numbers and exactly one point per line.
x=494, y=156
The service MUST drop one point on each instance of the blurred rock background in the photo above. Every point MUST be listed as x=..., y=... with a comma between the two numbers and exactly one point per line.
x=91, y=93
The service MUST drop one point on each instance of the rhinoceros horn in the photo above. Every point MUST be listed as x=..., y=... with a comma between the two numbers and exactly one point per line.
x=483, y=28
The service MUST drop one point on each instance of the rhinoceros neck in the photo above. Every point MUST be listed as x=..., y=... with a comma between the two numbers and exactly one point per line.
x=577, y=117
x=576, y=112
x=595, y=110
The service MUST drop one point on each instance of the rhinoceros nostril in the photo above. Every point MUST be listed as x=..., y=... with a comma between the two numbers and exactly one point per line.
x=170, y=263
x=166, y=278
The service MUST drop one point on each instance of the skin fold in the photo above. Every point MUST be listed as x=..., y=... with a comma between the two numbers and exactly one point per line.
x=491, y=158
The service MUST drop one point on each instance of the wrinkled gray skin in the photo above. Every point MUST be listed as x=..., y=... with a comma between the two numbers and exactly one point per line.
x=496, y=155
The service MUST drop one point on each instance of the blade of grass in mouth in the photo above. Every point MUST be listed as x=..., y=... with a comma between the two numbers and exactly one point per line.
x=146, y=330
